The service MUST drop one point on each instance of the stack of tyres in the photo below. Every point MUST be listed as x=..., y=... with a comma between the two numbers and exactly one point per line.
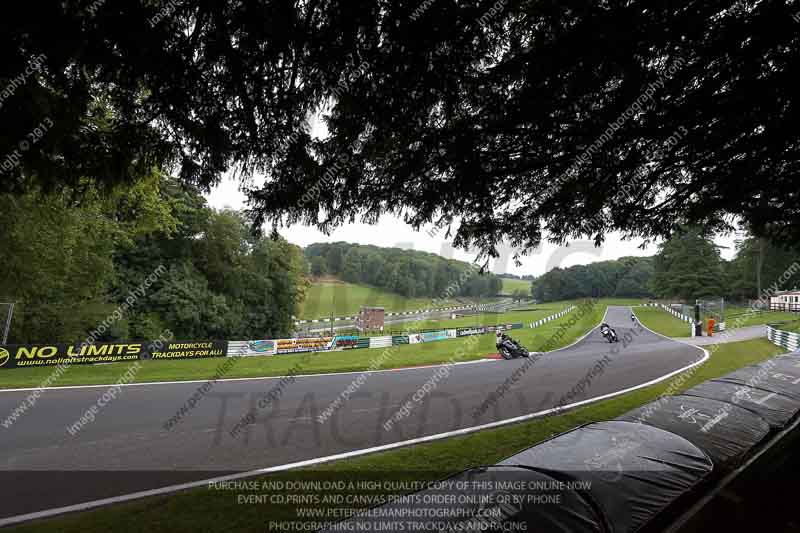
x=630, y=472
x=491, y=499
x=727, y=433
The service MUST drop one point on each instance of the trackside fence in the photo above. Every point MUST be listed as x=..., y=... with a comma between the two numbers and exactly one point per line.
x=545, y=320
x=785, y=339
x=38, y=355
x=677, y=314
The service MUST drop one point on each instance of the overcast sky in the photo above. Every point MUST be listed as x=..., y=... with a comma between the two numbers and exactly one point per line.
x=393, y=232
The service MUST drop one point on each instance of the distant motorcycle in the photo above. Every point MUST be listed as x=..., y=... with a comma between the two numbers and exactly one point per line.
x=509, y=348
x=608, y=333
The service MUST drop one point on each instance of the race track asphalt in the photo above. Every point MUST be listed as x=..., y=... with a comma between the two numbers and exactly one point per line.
x=126, y=448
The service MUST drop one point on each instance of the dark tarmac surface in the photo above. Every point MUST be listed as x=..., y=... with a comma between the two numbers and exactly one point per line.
x=126, y=448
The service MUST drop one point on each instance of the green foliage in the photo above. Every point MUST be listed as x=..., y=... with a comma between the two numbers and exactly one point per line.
x=441, y=126
x=76, y=256
x=409, y=273
x=58, y=262
x=758, y=264
x=221, y=280
x=512, y=285
x=518, y=295
x=627, y=277
x=688, y=266
x=662, y=322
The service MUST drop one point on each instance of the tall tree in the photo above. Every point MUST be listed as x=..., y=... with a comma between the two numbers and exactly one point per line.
x=688, y=266
x=512, y=120
x=406, y=272
x=758, y=265
x=627, y=277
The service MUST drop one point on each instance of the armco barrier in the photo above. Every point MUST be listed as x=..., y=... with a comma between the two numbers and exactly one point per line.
x=785, y=339
x=380, y=342
x=363, y=342
x=545, y=320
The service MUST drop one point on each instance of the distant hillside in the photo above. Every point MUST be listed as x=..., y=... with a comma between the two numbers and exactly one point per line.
x=627, y=277
x=511, y=284
x=328, y=296
x=408, y=273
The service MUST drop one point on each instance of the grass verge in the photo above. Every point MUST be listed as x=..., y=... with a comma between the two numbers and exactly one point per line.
x=339, y=298
x=213, y=510
x=318, y=363
x=526, y=316
x=740, y=317
x=662, y=322
x=511, y=285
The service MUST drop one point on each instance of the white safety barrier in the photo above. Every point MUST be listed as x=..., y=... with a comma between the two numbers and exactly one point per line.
x=404, y=313
x=786, y=339
x=380, y=342
x=681, y=316
x=547, y=319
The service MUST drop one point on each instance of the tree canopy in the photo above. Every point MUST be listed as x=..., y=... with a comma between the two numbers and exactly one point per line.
x=627, y=277
x=759, y=265
x=505, y=120
x=688, y=266
x=411, y=273
x=76, y=263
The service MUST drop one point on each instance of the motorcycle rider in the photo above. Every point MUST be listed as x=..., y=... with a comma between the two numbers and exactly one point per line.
x=608, y=332
x=501, y=339
x=504, y=341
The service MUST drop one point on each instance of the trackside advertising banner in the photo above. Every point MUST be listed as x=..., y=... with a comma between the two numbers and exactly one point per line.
x=191, y=350
x=32, y=355
x=38, y=355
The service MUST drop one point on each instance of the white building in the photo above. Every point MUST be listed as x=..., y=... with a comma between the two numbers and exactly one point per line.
x=785, y=301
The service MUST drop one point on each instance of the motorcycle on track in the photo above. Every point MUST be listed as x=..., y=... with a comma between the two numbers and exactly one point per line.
x=508, y=347
x=608, y=333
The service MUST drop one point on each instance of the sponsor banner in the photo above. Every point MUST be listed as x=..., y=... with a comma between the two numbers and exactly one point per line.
x=451, y=333
x=415, y=338
x=191, y=350
x=263, y=347
x=33, y=355
x=345, y=341
x=503, y=327
x=399, y=339
x=431, y=336
x=462, y=332
x=315, y=344
x=251, y=348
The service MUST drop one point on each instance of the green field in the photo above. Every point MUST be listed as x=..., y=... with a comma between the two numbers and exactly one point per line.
x=317, y=363
x=739, y=317
x=662, y=322
x=531, y=313
x=511, y=285
x=213, y=510
x=336, y=298
x=790, y=326
x=624, y=301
